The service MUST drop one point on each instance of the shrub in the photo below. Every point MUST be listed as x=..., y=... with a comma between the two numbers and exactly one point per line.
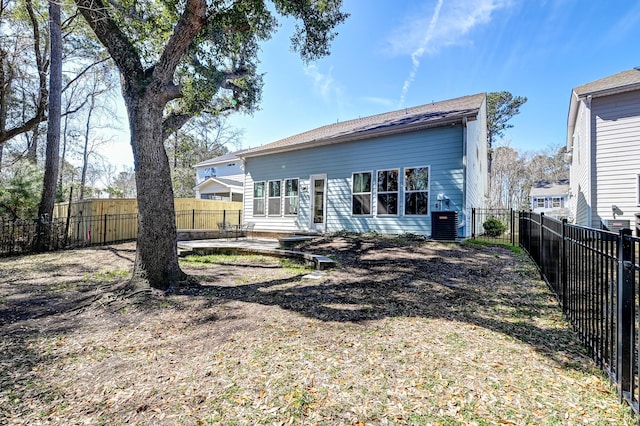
x=493, y=227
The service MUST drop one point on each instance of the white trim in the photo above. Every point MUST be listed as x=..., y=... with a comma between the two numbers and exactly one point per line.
x=372, y=174
x=374, y=203
x=253, y=199
x=269, y=198
x=405, y=192
x=321, y=227
x=284, y=197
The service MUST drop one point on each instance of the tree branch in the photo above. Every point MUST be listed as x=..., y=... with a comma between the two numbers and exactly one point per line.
x=96, y=14
x=174, y=122
x=187, y=28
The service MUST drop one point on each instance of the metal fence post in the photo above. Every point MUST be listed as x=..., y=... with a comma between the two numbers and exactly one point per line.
x=625, y=329
x=193, y=219
x=541, y=243
x=513, y=231
x=473, y=223
x=224, y=216
x=563, y=265
x=104, y=230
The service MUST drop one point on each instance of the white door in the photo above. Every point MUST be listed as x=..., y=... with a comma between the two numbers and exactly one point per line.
x=318, y=190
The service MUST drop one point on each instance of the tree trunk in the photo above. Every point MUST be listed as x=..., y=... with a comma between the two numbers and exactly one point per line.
x=156, y=254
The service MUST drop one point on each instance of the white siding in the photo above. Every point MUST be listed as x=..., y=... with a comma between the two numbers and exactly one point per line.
x=476, y=185
x=580, y=165
x=616, y=130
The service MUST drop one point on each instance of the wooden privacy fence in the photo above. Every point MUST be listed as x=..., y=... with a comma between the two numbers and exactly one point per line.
x=595, y=276
x=77, y=224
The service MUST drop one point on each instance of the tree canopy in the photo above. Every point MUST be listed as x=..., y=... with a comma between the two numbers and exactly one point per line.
x=178, y=59
x=501, y=107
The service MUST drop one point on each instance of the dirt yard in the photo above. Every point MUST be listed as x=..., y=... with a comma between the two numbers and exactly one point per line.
x=401, y=332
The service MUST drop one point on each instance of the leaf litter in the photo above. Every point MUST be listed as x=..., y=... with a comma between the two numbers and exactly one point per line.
x=401, y=332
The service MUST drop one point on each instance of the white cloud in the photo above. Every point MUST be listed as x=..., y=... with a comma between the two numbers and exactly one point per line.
x=446, y=25
x=324, y=84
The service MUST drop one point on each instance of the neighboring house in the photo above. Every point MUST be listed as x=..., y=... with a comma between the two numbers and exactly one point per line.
x=603, y=146
x=551, y=198
x=385, y=173
x=220, y=178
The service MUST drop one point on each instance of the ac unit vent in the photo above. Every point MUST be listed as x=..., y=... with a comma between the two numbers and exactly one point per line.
x=444, y=225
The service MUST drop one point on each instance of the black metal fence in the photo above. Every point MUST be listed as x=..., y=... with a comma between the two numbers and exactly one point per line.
x=594, y=274
x=28, y=235
x=483, y=225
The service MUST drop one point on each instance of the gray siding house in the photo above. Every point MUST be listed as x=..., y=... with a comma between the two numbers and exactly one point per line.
x=603, y=146
x=385, y=173
x=220, y=178
x=551, y=198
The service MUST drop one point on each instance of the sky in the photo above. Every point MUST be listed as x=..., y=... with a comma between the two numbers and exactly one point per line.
x=392, y=54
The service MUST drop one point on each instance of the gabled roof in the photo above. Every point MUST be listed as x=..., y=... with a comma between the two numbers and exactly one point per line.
x=620, y=82
x=400, y=121
x=227, y=158
x=224, y=182
x=541, y=189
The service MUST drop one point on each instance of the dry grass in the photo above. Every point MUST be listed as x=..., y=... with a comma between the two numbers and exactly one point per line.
x=401, y=333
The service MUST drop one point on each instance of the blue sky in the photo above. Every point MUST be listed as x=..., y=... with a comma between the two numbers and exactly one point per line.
x=402, y=53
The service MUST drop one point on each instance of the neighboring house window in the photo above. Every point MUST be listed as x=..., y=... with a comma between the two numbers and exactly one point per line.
x=416, y=191
x=540, y=202
x=361, y=193
x=387, y=192
x=231, y=164
x=274, y=197
x=209, y=172
x=258, y=198
x=557, y=202
x=291, y=197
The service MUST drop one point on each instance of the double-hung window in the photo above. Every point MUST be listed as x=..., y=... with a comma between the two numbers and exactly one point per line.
x=540, y=202
x=416, y=190
x=274, y=197
x=291, y=197
x=361, y=194
x=258, y=198
x=387, y=192
x=556, y=202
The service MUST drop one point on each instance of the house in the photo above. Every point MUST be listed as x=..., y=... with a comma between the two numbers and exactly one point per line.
x=551, y=198
x=386, y=173
x=603, y=147
x=220, y=178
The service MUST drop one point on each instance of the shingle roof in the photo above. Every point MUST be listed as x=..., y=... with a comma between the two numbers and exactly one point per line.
x=424, y=116
x=549, y=188
x=225, y=182
x=222, y=159
x=629, y=79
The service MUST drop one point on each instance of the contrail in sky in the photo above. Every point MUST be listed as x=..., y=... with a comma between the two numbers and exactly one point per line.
x=417, y=54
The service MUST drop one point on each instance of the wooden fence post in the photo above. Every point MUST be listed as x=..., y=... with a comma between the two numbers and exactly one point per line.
x=626, y=301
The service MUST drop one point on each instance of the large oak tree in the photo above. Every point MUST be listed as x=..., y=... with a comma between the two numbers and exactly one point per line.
x=178, y=58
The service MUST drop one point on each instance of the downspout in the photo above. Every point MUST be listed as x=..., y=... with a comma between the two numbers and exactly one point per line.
x=588, y=159
x=464, y=175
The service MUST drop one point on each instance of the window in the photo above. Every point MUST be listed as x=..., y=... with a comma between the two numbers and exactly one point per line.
x=388, y=192
x=540, y=202
x=556, y=202
x=274, y=197
x=361, y=193
x=258, y=198
x=291, y=197
x=209, y=172
x=416, y=191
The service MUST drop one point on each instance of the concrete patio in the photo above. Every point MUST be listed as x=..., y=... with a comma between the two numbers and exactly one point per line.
x=264, y=246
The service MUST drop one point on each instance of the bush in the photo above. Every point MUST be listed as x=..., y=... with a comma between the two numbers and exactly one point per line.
x=493, y=227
